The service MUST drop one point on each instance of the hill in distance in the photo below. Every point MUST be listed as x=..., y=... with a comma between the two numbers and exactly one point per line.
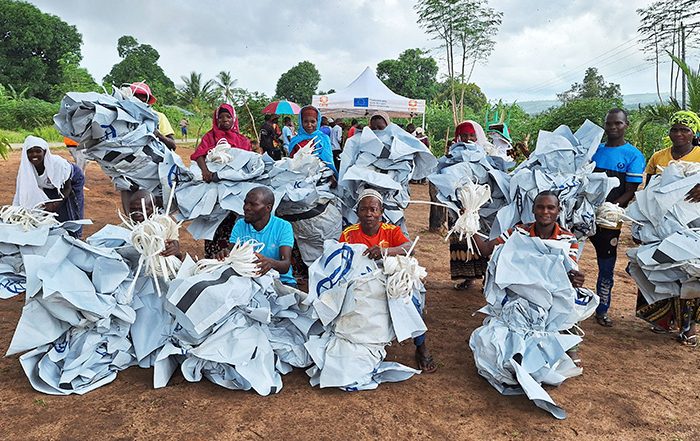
x=631, y=101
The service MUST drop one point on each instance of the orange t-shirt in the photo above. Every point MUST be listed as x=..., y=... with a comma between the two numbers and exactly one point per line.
x=388, y=236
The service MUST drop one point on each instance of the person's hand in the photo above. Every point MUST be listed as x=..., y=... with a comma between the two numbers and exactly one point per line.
x=172, y=248
x=264, y=264
x=577, y=278
x=334, y=182
x=374, y=253
x=52, y=206
x=222, y=254
x=694, y=194
x=207, y=175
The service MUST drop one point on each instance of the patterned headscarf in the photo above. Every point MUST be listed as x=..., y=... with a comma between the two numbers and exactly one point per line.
x=688, y=119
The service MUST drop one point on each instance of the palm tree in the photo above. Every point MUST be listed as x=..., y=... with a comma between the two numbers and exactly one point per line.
x=197, y=95
x=693, y=79
x=225, y=85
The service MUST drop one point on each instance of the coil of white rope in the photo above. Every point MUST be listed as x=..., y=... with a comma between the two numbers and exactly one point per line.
x=27, y=218
x=611, y=215
x=403, y=274
x=471, y=196
x=241, y=258
x=222, y=153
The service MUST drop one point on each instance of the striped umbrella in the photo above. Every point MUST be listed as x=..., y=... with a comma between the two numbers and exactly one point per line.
x=282, y=107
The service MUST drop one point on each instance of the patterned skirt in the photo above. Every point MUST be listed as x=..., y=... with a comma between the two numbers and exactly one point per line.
x=674, y=314
x=463, y=263
x=221, y=237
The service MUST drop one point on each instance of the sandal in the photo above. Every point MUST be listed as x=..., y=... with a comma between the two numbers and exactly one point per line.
x=658, y=330
x=604, y=320
x=426, y=363
x=688, y=340
x=462, y=286
x=574, y=357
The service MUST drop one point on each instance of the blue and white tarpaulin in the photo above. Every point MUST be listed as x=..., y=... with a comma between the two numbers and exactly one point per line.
x=667, y=263
x=530, y=302
x=348, y=293
x=384, y=160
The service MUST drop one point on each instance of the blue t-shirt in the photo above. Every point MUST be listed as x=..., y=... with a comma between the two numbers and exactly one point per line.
x=624, y=162
x=277, y=233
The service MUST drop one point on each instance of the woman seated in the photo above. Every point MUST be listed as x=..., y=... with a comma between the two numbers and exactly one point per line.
x=49, y=182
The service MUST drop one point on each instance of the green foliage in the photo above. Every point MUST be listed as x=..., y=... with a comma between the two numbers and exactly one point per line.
x=225, y=83
x=200, y=96
x=412, y=75
x=693, y=81
x=592, y=86
x=140, y=63
x=299, y=83
x=474, y=99
x=33, y=43
x=49, y=133
x=249, y=106
x=649, y=126
x=440, y=127
x=573, y=114
x=4, y=147
x=75, y=78
x=26, y=114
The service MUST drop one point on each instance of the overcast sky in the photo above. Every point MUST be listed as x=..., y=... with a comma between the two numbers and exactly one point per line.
x=542, y=47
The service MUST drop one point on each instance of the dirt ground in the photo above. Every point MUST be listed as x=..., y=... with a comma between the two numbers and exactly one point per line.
x=636, y=384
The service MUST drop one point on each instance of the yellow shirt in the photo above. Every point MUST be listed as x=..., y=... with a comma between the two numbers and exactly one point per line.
x=164, y=126
x=663, y=157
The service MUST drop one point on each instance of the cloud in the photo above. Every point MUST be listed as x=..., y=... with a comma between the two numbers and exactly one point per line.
x=258, y=41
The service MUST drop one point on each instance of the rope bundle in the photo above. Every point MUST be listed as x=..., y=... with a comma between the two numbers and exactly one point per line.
x=29, y=219
x=301, y=156
x=610, y=215
x=471, y=196
x=241, y=258
x=220, y=154
x=403, y=274
x=149, y=238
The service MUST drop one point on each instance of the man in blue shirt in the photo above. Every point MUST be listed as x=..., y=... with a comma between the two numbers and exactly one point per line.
x=276, y=234
x=620, y=159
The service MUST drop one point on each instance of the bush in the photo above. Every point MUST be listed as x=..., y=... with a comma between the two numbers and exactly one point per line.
x=26, y=114
x=573, y=114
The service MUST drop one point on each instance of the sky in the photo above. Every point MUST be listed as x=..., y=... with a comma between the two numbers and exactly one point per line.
x=542, y=47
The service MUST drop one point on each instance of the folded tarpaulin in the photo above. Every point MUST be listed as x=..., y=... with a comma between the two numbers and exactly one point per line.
x=384, y=160
x=348, y=293
x=530, y=302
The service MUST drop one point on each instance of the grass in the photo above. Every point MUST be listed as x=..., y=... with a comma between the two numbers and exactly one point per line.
x=49, y=133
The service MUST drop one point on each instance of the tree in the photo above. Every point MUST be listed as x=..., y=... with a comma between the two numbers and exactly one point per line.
x=75, y=78
x=474, y=99
x=140, y=63
x=574, y=113
x=466, y=31
x=668, y=26
x=299, y=83
x=32, y=44
x=411, y=75
x=225, y=84
x=693, y=80
x=593, y=86
x=199, y=96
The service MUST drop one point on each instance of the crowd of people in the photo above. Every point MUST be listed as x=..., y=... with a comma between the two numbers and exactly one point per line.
x=51, y=182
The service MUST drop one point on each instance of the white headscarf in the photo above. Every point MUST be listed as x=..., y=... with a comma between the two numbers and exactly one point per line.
x=28, y=191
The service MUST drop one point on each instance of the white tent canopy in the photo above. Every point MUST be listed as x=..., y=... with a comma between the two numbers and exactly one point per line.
x=365, y=95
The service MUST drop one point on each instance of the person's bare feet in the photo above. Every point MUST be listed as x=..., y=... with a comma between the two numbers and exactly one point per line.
x=425, y=360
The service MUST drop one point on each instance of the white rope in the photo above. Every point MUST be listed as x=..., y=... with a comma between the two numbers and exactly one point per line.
x=685, y=167
x=149, y=238
x=471, y=196
x=403, y=274
x=304, y=154
x=221, y=153
x=241, y=258
x=611, y=215
x=29, y=219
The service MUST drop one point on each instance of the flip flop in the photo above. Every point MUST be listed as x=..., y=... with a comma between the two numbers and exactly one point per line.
x=426, y=363
x=463, y=286
x=688, y=340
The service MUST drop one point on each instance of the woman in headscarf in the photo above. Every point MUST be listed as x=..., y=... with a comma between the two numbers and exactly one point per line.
x=379, y=120
x=675, y=314
x=224, y=129
x=50, y=182
x=464, y=264
x=310, y=131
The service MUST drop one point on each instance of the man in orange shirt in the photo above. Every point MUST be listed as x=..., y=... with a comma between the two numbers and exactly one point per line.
x=384, y=239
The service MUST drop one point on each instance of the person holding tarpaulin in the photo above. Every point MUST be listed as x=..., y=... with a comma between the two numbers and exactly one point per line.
x=275, y=234
x=384, y=239
x=546, y=210
x=464, y=265
x=224, y=129
x=49, y=182
x=675, y=314
x=164, y=132
x=620, y=159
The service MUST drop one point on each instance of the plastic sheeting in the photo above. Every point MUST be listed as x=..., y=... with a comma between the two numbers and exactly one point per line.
x=384, y=160
x=667, y=264
x=348, y=293
x=117, y=133
x=530, y=300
